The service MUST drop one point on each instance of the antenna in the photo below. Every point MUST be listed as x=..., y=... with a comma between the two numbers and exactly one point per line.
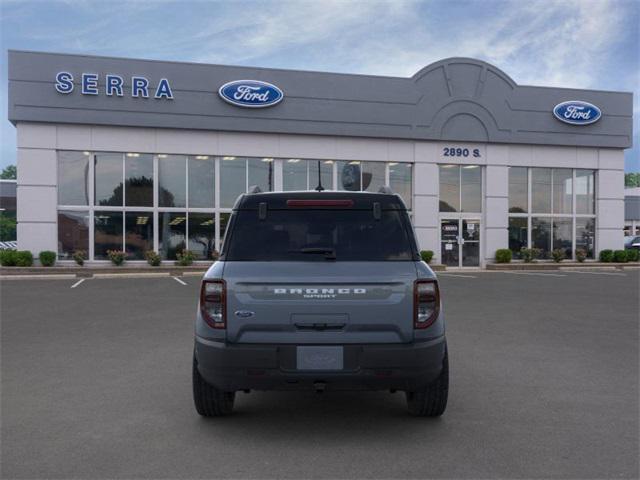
x=319, y=188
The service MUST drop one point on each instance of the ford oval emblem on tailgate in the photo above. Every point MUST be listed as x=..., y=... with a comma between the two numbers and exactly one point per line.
x=244, y=313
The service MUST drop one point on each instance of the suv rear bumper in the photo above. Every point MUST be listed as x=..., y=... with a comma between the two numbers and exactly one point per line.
x=232, y=367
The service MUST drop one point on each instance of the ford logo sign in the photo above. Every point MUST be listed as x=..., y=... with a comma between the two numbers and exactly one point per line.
x=244, y=313
x=577, y=112
x=250, y=93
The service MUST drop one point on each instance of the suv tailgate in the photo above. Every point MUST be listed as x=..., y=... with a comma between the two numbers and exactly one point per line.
x=355, y=302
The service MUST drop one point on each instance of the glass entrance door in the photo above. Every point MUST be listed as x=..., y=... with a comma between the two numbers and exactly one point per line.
x=470, y=243
x=449, y=236
x=460, y=242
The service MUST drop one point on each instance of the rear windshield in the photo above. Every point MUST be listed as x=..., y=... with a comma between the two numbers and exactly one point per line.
x=319, y=235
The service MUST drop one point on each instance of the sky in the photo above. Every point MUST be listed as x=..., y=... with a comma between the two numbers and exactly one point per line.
x=564, y=43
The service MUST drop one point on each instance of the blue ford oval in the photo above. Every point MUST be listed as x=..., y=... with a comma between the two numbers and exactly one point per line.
x=577, y=112
x=250, y=93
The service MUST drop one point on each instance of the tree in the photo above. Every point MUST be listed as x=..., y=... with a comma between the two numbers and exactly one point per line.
x=7, y=228
x=9, y=173
x=632, y=180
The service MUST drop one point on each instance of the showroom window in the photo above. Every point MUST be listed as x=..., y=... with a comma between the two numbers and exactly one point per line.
x=357, y=176
x=551, y=208
x=73, y=178
x=460, y=188
x=300, y=174
x=73, y=232
x=139, y=201
x=239, y=173
x=401, y=181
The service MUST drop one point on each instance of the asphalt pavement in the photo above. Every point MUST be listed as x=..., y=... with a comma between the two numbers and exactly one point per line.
x=544, y=384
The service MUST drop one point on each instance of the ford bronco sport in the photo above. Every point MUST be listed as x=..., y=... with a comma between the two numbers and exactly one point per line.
x=320, y=290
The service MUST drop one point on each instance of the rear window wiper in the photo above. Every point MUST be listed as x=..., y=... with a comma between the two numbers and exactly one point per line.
x=329, y=253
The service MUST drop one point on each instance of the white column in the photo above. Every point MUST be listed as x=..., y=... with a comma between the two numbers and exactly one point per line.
x=610, y=200
x=496, y=210
x=37, y=188
x=426, y=188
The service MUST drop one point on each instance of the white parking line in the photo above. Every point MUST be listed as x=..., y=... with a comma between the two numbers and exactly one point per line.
x=78, y=283
x=598, y=273
x=455, y=275
x=536, y=273
x=179, y=281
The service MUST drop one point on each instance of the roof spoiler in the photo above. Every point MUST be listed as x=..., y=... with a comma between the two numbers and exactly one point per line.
x=386, y=189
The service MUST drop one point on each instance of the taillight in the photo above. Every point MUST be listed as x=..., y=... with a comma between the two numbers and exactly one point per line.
x=213, y=300
x=426, y=303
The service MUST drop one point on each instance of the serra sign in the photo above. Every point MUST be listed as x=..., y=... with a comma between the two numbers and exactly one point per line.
x=113, y=85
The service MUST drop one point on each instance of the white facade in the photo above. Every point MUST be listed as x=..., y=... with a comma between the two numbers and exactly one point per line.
x=37, y=173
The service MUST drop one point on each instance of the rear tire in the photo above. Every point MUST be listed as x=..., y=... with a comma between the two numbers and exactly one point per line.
x=432, y=401
x=209, y=401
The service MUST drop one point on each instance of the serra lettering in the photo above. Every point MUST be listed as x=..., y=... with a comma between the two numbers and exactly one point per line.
x=113, y=85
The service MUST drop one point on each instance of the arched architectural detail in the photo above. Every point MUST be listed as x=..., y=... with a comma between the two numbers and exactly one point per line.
x=465, y=120
x=447, y=63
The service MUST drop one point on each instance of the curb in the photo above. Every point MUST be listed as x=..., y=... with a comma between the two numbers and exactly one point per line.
x=85, y=275
x=560, y=266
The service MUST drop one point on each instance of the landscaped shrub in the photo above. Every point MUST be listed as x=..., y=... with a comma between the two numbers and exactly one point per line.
x=620, y=256
x=8, y=258
x=526, y=254
x=153, y=258
x=47, y=258
x=633, y=255
x=185, y=258
x=24, y=258
x=426, y=255
x=117, y=257
x=558, y=255
x=581, y=254
x=79, y=256
x=606, y=255
x=503, y=255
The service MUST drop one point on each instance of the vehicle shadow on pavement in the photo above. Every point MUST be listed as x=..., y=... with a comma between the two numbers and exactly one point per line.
x=331, y=415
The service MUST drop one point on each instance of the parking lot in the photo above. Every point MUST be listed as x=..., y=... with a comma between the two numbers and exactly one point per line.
x=544, y=384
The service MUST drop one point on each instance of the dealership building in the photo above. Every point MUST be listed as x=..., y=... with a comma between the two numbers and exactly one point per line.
x=138, y=155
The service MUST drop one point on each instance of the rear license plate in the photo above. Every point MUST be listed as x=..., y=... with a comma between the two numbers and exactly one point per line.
x=320, y=358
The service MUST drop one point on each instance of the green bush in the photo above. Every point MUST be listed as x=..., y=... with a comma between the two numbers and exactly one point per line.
x=24, y=258
x=620, y=256
x=117, y=257
x=633, y=255
x=8, y=258
x=153, y=258
x=503, y=255
x=79, y=256
x=606, y=256
x=185, y=258
x=426, y=255
x=581, y=254
x=47, y=258
x=558, y=255
x=528, y=254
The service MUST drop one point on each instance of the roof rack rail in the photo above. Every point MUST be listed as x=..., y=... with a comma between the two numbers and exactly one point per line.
x=386, y=189
x=254, y=189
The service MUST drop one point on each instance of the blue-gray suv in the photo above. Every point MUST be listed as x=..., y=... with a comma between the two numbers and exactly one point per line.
x=320, y=291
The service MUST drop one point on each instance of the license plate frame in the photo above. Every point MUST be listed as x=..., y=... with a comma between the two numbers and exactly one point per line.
x=320, y=358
